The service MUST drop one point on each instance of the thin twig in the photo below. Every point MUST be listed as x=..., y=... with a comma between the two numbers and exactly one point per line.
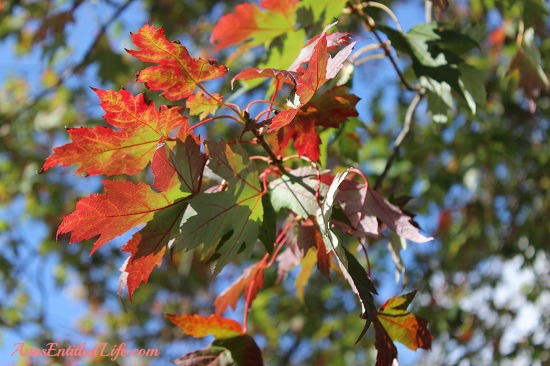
x=388, y=11
x=401, y=137
x=368, y=24
x=362, y=50
x=370, y=58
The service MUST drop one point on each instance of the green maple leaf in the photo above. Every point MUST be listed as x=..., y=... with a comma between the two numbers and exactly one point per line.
x=226, y=219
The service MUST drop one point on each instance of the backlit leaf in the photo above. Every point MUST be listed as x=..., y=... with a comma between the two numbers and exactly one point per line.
x=126, y=150
x=177, y=73
x=123, y=206
x=307, y=263
x=200, y=326
x=201, y=105
x=234, y=215
x=250, y=282
x=250, y=23
x=364, y=206
x=402, y=326
x=297, y=192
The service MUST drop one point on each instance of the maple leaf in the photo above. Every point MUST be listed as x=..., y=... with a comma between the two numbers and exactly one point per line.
x=123, y=206
x=250, y=23
x=307, y=237
x=147, y=247
x=250, y=282
x=394, y=323
x=181, y=168
x=126, y=150
x=177, y=73
x=240, y=350
x=363, y=206
x=402, y=326
x=334, y=40
x=306, y=138
x=296, y=191
x=321, y=68
x=352, y=271
x=330, y=109
x=175, y=171
x=230, y=218
x=202, y=106
x=200, y=326
x=209, y=356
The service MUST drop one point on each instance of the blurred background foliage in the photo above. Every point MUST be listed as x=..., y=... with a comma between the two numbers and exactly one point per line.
x=479, y=183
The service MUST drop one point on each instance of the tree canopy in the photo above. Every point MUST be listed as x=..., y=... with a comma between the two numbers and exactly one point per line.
x=202, y=158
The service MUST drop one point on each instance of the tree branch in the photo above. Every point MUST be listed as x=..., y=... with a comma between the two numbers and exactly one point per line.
x=368, y=24
x=401, y=137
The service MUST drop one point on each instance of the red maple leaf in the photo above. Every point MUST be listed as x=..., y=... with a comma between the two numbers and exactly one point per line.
x=177, y=73
x=329, y=110
x=126, y=150
x=249, y=22
x=179, y=174
x=123, y=206
x=321, y=68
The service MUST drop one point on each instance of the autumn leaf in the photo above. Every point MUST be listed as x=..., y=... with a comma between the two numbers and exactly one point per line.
x=402, y=326
x=393, y=323
x=307, y=264
x=321, y=68
x=123, y=206
x=330, y=109
x=177, y=173
x=387, y=352
x=147, y=247
x=363, y=206
x=240, y=350
x=209, y=356
x=334, y=41
x=200, y=326
x=249, y=284
x=351, y=269
x=296, y=191
x=306, y=139
x=201, y=105
x=181, y=168
x=250, y=23
x=126, y=150
x=230, y=218
x=177, y=73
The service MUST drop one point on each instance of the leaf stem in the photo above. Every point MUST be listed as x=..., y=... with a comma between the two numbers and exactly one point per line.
x=280, y=241
x=270, y=102
x=205, y=121
x=248, y=299
x=370, y=58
